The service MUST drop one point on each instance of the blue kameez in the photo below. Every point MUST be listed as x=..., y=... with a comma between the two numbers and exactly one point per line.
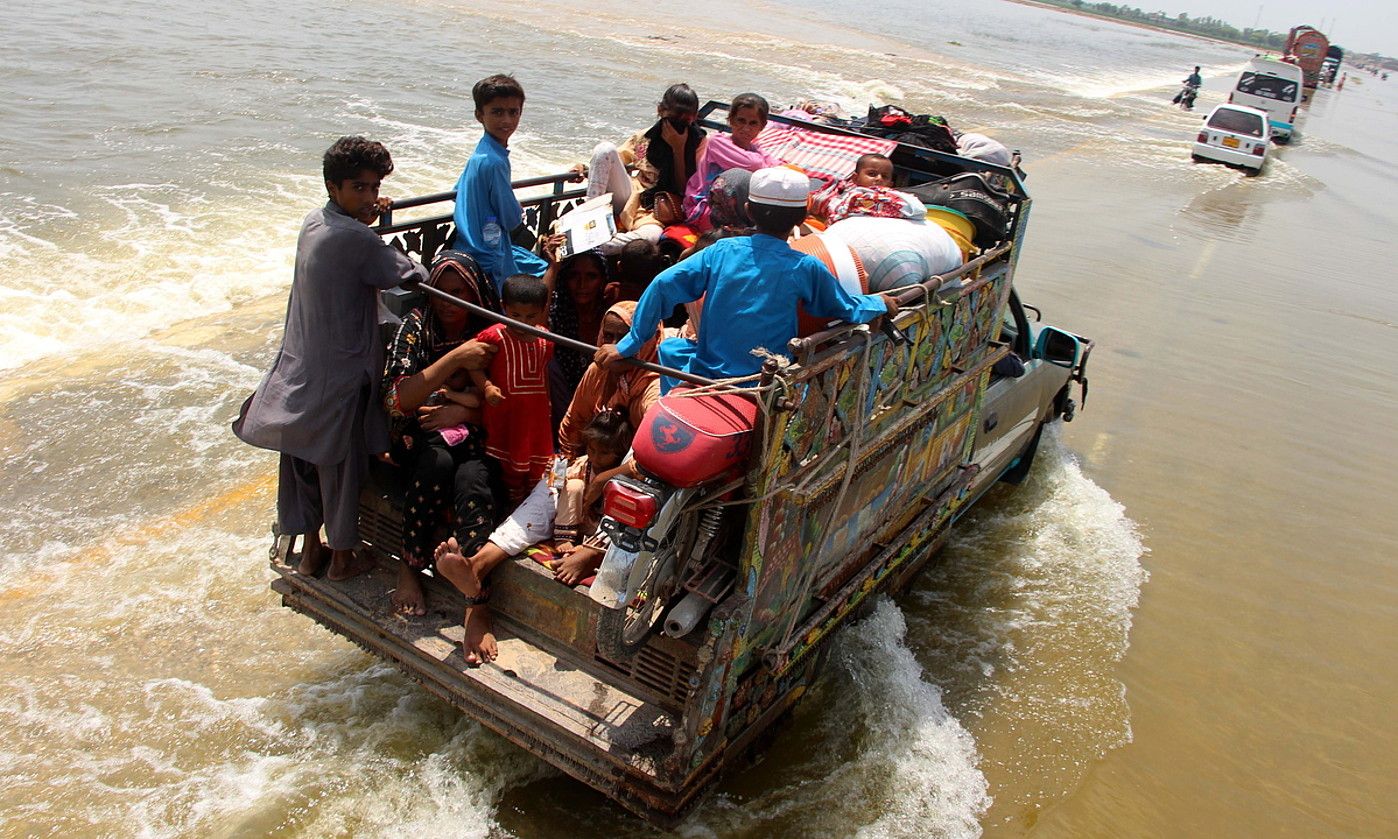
x=483, y=192
x=750, y=286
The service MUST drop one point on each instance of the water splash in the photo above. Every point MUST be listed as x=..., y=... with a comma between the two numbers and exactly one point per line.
x=1024, y=622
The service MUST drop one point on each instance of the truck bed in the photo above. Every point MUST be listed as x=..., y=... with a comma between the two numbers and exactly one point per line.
x=587, y=717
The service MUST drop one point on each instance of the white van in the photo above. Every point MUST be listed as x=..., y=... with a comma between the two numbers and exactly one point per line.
x=1274, y=87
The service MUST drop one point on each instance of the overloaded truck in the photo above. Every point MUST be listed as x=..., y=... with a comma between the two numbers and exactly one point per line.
x=831, y=480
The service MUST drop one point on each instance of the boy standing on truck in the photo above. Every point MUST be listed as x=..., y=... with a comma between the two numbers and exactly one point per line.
x=318, y=403
x=750, y=286
x=486, y=207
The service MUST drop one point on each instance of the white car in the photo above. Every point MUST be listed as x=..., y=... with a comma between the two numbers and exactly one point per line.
x=1236, y=135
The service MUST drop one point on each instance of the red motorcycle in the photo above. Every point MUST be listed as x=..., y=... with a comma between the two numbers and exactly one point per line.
x=668, y=528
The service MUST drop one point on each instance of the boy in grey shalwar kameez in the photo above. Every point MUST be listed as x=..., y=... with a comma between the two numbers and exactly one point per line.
x=319, y=405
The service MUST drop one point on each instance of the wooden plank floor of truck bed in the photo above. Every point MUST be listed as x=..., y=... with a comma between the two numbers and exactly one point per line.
x=551, y=702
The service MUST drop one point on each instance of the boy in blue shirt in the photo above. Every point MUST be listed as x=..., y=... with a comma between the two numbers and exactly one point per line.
x=750, y=286
x=486, y=207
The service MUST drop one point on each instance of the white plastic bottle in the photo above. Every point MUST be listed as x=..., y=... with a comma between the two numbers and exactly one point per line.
x=612, y=577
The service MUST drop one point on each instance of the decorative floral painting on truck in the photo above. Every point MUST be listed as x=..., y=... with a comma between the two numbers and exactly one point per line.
x=877, y=436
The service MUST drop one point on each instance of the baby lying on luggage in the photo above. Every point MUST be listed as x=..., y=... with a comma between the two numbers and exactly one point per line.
x=867, y=192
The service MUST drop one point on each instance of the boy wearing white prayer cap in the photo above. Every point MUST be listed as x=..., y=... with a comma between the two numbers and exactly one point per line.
x=751, y=286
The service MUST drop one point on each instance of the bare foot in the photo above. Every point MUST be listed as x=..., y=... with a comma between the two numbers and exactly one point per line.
x=456, y=568
x=347, y=564
x=408, y=597
x=478, y=645
x=450, y=546
x=313, y=556
x=577, y=566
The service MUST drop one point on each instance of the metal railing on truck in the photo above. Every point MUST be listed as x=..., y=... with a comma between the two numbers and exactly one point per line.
x=427, y=236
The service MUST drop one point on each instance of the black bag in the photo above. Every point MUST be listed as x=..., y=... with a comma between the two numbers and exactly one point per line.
x=893, y=123
x=974, y=197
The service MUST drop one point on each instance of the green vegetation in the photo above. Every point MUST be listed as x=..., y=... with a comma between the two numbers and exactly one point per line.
x=1211, y=27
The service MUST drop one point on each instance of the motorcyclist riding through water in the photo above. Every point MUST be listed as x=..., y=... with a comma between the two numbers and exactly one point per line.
x=1185, y=98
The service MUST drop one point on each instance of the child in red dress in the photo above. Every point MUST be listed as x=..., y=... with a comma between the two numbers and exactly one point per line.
x=518, y=429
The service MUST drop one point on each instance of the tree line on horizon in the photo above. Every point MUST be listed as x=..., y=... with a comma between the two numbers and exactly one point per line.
x=1209, y=26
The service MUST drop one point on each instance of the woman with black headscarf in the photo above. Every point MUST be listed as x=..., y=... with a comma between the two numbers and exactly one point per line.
x=575, y=311
x=436, y=435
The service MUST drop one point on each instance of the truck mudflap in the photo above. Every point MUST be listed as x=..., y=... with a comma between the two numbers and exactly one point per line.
x=557, y=705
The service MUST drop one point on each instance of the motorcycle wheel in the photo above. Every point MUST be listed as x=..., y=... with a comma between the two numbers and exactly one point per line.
x=621, y=633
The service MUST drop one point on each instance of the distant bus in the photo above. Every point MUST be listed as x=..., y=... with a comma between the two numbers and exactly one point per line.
x=1274, y=87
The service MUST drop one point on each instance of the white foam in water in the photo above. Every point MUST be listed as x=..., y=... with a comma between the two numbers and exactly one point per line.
x=170, y=260
x=925, y=759
x=885, y=759
x=163, y=735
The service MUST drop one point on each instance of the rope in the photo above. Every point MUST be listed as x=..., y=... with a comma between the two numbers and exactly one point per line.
x=570, y=343
x=735, y=385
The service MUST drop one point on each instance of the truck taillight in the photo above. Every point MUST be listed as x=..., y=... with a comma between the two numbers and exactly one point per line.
x=1203, y=136
x=1259, y=149
x=629, y=505
x=1293, y=113
x=1230, y=99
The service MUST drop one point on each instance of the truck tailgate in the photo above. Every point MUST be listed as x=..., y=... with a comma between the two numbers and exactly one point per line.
x=551, y=702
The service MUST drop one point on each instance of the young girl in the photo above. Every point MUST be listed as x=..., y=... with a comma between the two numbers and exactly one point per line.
x=867, y=192
x=518, y=423
x=607, y=437
x=575, y=311
x=747, y=116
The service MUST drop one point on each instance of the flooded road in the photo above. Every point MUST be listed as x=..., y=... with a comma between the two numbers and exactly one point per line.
x=1181, y=625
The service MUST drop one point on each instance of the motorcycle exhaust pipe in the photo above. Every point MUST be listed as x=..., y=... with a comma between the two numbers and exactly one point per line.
x=695, y=605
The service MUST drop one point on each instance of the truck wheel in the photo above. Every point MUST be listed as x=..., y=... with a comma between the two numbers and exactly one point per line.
x=1017, y=473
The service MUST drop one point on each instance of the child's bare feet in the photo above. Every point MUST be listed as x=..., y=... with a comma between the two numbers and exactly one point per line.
x=577, y=566
x=493, y=395
x=408, y=597
x=347, y=564
x=450, y=546
x=478, y=645
x=313, y=556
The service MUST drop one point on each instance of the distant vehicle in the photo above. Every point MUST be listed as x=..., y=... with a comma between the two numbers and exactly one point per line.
x=1307, y=46
x=1185, y=98
x=1330, y=67
x=1236, y=135
x=1274, y=87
